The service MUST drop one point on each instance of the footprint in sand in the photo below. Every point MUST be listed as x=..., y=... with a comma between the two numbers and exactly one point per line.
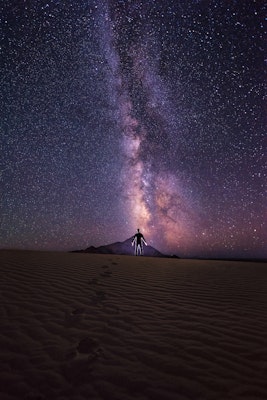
x=73, y=317
x=89, y=348
x=79, y=311
x=98, y=297
x=106, y=274
x=87, y=345
x=100, y=293
x=93, y=281
x=76, y=315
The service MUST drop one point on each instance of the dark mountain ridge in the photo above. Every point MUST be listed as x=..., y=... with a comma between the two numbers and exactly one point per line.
x=123, y=248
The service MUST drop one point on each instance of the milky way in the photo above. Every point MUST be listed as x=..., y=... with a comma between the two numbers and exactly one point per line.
x=155, y=198
x=120, y=115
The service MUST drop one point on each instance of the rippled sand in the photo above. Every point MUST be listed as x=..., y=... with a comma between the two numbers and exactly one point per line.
x=85, y=326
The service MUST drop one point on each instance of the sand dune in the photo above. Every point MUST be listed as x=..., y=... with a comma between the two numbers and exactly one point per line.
x=85, y=326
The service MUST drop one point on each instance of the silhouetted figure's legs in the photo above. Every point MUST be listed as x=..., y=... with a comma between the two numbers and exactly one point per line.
x=139, y=249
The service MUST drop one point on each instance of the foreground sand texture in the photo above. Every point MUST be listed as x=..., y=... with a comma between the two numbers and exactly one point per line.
x=83, y=326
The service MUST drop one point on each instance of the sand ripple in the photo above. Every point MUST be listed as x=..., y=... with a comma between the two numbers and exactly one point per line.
x=82, y=326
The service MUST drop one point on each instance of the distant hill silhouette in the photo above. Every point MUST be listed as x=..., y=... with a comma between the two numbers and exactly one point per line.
x=122, y=248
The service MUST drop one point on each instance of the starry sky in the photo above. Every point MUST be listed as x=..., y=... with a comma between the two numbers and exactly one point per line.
x=126, y=114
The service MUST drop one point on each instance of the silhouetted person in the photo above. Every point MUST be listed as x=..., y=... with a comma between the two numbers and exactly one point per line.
x=138, y=241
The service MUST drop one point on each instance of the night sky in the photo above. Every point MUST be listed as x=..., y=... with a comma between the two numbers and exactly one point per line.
x=126, y=114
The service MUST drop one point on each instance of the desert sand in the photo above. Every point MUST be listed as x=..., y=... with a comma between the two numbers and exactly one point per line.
x=86, y=326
